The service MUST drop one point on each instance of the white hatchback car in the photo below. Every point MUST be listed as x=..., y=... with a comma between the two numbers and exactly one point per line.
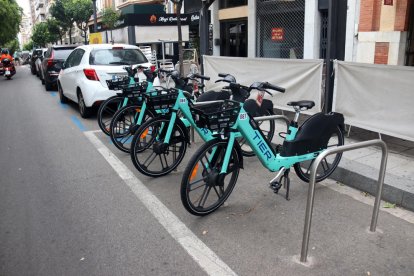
x=85, y=71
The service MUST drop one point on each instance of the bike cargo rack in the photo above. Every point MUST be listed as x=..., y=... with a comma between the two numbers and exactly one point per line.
x=311, y=190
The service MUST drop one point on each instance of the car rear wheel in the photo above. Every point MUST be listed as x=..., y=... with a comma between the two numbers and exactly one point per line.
x=48, y=86
x=62, y=97
x=84, y=111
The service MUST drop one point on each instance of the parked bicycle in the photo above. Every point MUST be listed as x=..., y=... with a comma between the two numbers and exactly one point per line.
x=128, y=118
x=159, y=145
x=128, y=85
x=212, y=172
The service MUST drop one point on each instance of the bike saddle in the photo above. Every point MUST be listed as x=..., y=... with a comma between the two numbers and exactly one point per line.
x=302, y=104
x=214, y=96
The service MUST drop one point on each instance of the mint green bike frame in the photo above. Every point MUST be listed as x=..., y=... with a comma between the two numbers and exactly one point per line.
x=181, y=104
x=260, y=146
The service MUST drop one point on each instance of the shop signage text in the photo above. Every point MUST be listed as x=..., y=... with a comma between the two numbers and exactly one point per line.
x=278, y=34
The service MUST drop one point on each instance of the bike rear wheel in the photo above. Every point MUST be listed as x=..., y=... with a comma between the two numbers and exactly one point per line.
x=203, y=188
x=124, y=125
x=328, y=164
x=106, y=112
x=150, y=155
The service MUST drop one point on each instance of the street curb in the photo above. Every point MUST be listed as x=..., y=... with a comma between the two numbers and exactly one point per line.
x=365, y=178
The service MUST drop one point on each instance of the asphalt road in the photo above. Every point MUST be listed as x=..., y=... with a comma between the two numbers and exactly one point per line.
x=72, y=204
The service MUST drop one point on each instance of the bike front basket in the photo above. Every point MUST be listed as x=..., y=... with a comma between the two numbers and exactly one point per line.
x=216, y=116
x=118, y=83
x=133, y=89
x=161, y=99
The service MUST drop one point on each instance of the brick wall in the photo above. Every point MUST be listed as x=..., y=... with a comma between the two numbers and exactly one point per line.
x=370, y=15
x=381, y=52
x=402, y=14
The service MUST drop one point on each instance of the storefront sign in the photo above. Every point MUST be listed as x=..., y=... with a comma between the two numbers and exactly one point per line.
x=95, y=38
x=159, y=19
x=278, y=34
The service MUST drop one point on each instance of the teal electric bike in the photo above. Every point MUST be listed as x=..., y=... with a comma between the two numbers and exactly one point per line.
x=212, y=172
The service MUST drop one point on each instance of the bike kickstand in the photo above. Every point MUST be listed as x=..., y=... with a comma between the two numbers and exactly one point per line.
x=286, y=183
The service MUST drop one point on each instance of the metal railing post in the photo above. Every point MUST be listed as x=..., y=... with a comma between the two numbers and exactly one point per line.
x=312, y=182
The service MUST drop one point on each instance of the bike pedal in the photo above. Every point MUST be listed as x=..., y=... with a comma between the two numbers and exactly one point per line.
x=275, y=186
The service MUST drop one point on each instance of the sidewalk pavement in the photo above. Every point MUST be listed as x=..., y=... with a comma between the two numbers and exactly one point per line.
x=360, y=168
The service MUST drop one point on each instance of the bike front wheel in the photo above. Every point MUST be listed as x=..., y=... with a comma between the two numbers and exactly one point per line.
x=125, y=123
x=150, y=154
x=328, y=164
x=106, y=111
x=203, y=188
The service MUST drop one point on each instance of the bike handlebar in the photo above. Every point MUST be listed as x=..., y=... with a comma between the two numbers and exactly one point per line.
x=201, y=76
x=267, y=85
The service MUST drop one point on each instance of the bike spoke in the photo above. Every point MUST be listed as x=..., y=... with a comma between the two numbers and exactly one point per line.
x=204, y=198
x=123, y=140
x=191, y=189
x=325, y=165
x=217, y=193
x=162, y=164
x=310, y=165
x=145, y=162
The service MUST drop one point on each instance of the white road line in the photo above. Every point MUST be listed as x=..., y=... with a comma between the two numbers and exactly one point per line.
x=199, y=251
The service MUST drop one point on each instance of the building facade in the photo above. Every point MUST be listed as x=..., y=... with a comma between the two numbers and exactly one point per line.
x=370, y=31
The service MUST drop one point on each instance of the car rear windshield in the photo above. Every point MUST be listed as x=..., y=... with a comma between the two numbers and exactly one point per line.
x=62, y=53
x=116, y=57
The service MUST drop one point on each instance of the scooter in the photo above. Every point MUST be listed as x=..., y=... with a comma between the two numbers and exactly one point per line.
x=8, y=68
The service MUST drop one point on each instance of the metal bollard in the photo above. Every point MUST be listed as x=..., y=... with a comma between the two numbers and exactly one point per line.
x=311, y=191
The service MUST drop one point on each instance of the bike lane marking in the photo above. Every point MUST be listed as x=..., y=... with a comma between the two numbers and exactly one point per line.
x=78, y=123
x=197, y=249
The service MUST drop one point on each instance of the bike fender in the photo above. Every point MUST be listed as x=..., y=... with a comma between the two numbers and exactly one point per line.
x=239, y=153
x=184, y=128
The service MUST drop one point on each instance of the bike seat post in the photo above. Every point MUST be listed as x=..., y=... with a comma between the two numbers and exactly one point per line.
x=297, y=113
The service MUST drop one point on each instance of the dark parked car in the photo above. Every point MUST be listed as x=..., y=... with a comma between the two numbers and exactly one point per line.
x=52, y=63
x=35, y=54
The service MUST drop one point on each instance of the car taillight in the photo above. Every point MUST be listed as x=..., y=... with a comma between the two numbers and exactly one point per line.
x=90, y=74
x=50, y=63
x=152, y=68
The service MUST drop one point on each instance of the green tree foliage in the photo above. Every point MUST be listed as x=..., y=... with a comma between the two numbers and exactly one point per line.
x=12, y=45
x=83, y=12
x=55, y=30
x=40, y=34
x=28, y=46
x=11, y=16
x=109, y=18
x=64, y=12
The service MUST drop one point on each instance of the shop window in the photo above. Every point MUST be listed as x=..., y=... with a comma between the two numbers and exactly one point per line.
x=280, y=29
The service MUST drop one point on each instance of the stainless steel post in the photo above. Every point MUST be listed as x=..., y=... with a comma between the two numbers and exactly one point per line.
x=312, y=181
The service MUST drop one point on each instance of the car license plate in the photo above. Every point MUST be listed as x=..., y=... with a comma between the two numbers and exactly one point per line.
x=7, y=72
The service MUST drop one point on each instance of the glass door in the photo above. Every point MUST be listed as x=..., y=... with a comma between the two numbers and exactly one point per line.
x=234, y=38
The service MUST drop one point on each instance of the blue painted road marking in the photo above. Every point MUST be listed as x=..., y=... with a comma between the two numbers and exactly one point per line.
x=78, y=123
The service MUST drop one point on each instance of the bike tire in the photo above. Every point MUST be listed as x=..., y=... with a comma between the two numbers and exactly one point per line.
x=302, y=169
x=142, y=150
x=123, y=125
x=209, y=177
x=106, y=112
